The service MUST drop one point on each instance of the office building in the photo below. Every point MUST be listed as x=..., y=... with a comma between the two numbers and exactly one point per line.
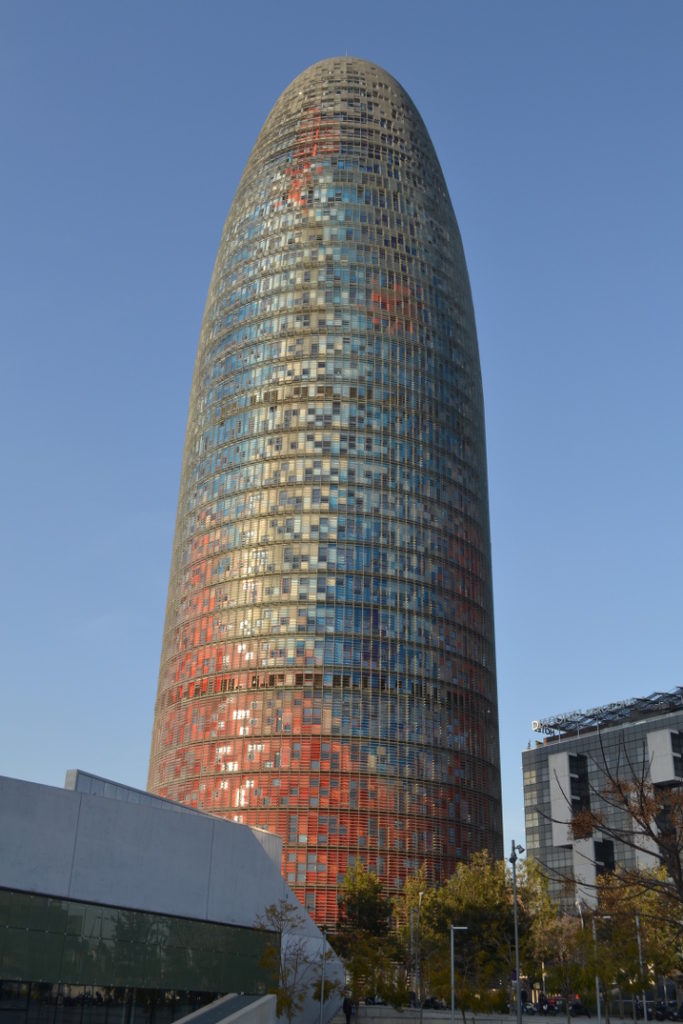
x=328, y=664
x=570, y=771
x=117, y=906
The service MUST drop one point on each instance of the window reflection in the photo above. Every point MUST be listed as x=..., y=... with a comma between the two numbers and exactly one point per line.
x=93, y=959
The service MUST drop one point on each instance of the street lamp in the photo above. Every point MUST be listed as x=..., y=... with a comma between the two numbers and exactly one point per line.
x=607, y=917
x=454, y=928
x=513, y=860
x=413, y=983
x=640, y=960
x=322, y=979
x=419, y=952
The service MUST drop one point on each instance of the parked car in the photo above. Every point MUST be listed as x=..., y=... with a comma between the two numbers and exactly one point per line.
x=432, y=1003
x=668, y=1010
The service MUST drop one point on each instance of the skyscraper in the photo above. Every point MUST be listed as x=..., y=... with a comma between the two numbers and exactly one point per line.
x=328, y=666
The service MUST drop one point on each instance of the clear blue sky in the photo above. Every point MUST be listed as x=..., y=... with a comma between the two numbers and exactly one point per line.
x=124, y=129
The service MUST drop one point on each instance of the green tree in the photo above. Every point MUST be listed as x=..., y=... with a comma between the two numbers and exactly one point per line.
x=407, y=933
x=567, y=964
x=478, y=898
x=363, y=938
x=537, y=920
x=620, y=900
x=331, y=987
x=363, y=907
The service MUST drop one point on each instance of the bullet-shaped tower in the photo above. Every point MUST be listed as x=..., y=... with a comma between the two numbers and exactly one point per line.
x=328, y=663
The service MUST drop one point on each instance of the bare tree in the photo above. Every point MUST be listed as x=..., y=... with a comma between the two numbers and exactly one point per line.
x=287, y=957
x=626, y=807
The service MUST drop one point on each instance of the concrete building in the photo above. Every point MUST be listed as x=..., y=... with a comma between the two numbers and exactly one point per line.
x=569, y=770
x=328, y=664
x=119, y=907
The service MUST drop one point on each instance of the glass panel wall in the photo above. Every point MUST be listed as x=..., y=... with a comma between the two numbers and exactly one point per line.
x=328, y=669
x=70, y=962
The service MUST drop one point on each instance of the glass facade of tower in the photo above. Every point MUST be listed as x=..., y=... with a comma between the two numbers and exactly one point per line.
x=328, y=667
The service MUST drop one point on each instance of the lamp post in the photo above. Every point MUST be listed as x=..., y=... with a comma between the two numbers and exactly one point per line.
x=322, y=979
x=454, y=928
x=419, y=952
x=516, y=848
x=606, y=917
x=597, y=976
x=640, y=961
x=413, y=983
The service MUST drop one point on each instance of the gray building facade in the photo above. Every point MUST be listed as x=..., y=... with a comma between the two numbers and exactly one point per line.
x=117, y=906
x=570, y=769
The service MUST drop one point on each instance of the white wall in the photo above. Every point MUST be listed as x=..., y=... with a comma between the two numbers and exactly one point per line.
x=660, y=756
x=560, y=798
x=585, y=874
x=144, y=856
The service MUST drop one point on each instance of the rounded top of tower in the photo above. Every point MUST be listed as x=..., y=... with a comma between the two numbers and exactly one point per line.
x=350, y=68
x=342, y=105
x=336, y=75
